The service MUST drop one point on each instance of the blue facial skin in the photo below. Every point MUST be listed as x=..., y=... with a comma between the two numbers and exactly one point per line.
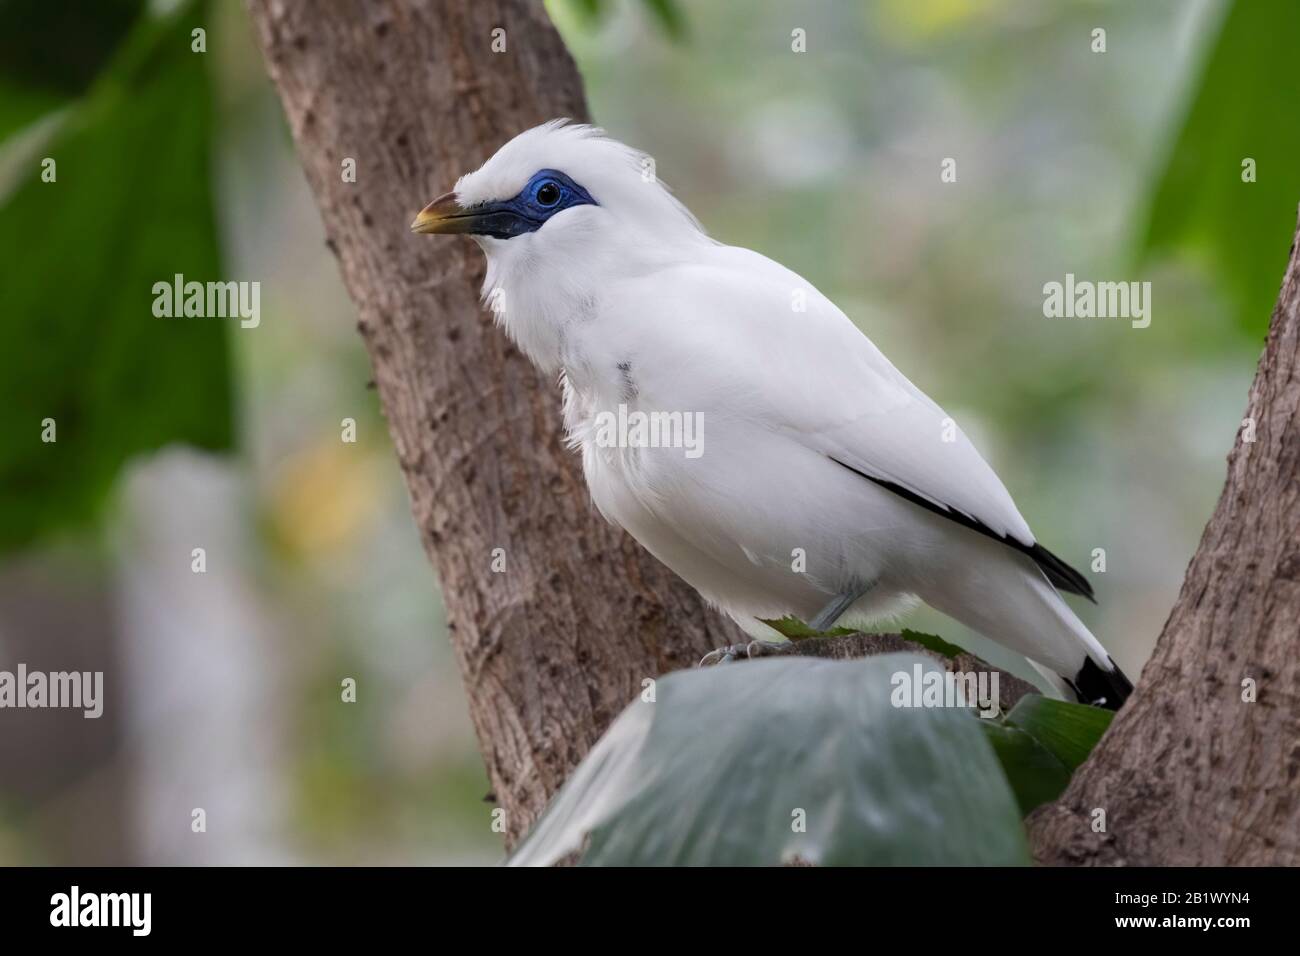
x=548, y=192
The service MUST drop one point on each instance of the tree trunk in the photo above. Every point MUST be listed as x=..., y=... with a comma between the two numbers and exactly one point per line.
x=553, y=648
x=1194, y=771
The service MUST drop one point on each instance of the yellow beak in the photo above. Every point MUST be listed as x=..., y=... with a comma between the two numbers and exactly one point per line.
x=443, y=215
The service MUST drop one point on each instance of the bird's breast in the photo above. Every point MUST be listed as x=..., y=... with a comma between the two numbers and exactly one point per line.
x=635, y=453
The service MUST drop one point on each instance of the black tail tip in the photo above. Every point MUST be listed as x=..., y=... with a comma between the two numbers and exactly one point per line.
x=1100, y=687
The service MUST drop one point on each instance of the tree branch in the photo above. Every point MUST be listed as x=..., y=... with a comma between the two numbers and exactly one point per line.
x=850, y=646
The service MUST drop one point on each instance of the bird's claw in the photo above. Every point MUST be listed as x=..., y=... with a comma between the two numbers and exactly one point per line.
x=733, y=651
x=725, y=654
x=719, y=656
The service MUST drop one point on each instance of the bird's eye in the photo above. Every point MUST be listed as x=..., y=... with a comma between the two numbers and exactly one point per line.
x=548, y=193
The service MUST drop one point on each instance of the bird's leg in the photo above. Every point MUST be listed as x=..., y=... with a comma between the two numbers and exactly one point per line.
x=828, y=615
x=824, y=620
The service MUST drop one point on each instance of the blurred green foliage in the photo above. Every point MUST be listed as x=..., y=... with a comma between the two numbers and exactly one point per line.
x=1246, y=105
x=131, y=205
x=666, y=14
x=350, y=793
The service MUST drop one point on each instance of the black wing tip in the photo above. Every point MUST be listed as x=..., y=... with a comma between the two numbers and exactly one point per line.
x=1061, y=574
x=1100, y=687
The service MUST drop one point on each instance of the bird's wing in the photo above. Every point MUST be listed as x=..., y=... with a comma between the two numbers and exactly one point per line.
x=795, y=363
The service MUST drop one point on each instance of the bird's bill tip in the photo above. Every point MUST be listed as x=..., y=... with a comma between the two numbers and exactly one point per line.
x=443, y=215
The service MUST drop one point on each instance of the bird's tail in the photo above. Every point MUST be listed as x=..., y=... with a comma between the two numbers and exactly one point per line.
x=1101, y=686
x=1007, y=599
x=1108, y=689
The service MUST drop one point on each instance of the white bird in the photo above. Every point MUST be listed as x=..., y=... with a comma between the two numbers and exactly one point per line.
x=825, y=485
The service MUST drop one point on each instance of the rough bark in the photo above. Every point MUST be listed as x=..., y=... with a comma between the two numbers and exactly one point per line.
x=553, y=648
x=1190, y=773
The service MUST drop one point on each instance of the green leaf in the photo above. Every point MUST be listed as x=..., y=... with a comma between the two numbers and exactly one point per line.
x=1068, y=730
x=793, y=629
x=932, y=642
x=1036, y=776
x=51, y=52
x=131, y=206
x=728, y=760
x=1245, y=106
x=20, y=106
x=1042, y=742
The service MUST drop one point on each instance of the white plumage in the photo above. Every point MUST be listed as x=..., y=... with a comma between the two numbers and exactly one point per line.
x=813, y=442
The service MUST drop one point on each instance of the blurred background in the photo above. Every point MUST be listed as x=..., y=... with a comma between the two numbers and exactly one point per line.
x=224, y=687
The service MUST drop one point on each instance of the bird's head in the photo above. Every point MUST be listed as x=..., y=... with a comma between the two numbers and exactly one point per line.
x=557, y=187
x=562, y=211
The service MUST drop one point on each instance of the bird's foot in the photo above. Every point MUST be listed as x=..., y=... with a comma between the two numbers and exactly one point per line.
x=736, y=651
